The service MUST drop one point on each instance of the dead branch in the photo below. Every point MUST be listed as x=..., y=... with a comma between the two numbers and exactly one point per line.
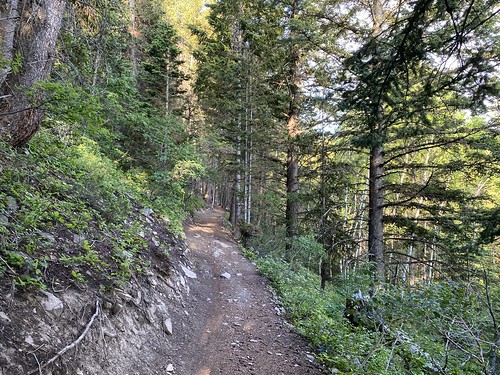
x=73, y=344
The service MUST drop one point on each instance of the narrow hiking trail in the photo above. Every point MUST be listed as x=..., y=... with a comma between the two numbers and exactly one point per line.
x=236, y=326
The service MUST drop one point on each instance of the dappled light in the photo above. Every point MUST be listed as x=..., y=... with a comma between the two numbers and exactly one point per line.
x=283, y=187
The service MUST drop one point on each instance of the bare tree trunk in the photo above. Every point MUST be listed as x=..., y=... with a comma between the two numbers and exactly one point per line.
x=292, y=188
x=134, y=50
x=292, y=171
x=36, y=32
x=376, y=212
x=376, y=183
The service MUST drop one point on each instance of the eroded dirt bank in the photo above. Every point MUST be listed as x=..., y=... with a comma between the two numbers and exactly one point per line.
x=207, y=312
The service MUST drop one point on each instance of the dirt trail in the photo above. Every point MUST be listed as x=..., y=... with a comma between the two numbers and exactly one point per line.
x=235, y=325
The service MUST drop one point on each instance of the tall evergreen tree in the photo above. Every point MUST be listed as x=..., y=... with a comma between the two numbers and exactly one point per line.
x=406, y=70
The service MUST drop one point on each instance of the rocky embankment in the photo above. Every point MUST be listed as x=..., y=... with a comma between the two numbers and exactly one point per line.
x=210, y=312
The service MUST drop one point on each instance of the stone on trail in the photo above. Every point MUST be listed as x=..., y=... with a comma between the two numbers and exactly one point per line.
x=221, y=244
x=170, y=368
x=226, y=275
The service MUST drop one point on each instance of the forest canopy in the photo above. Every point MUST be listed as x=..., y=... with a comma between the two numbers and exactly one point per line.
x=354, y=145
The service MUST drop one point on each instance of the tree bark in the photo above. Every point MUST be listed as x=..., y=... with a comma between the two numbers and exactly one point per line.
x=376, y=212
x=292, y=172
x=376, y=183
x=35, y=36
x=9, y=17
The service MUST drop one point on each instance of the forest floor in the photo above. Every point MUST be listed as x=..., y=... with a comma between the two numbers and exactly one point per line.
x=237, y=326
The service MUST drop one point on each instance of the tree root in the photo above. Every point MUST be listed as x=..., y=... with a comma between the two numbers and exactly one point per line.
x=72, y=345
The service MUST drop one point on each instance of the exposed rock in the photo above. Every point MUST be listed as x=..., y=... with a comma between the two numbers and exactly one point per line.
x=188, y=272
x=3, y=316
x=310, y=357
x=47, y=236
x=167, y=326
x=226, y=275
x=221, y=244
x=117, y=308
x=29, y=340
x=4, y=219
x=12, y=204
x=170, y=368
x=138, y=299
x=52, y=302
x=155, y=242
x=152, y=281
x=182, y=281
x=147, y=212
x=78, y=239
x=123, y=296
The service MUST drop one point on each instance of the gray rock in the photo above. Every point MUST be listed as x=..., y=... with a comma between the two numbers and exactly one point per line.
x=78, y=239
x=167, y=326
x=123, y=296
x=147, y=212
x=188, y=272
x=52, y=302
x=4, y=219
x=170, y=368
x=182, y=281
x=3, y=316
x=138, y=299
x=226, y=275
x=47, y=236
x=152, y=281
x=117, y=308
x=155, y=242
x=12, y=204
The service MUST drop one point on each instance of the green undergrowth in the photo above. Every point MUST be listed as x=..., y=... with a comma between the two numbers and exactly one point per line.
x=70, y=215
x=443, y=328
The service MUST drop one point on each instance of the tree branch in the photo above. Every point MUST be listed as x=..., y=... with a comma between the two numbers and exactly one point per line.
x=392, y=204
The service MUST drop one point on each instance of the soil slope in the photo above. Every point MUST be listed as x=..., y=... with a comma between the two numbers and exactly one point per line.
x=180, y=318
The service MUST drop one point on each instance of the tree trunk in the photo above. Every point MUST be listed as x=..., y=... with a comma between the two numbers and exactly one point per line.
x=9, y=18
x=375, y=184
x=134, y=49
x=376, y=212
x=292, y=172
x=35, y=36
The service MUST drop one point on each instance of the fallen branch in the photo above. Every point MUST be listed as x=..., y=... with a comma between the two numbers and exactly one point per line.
x=9, y=267
x=73, y=344
x=39, y=367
